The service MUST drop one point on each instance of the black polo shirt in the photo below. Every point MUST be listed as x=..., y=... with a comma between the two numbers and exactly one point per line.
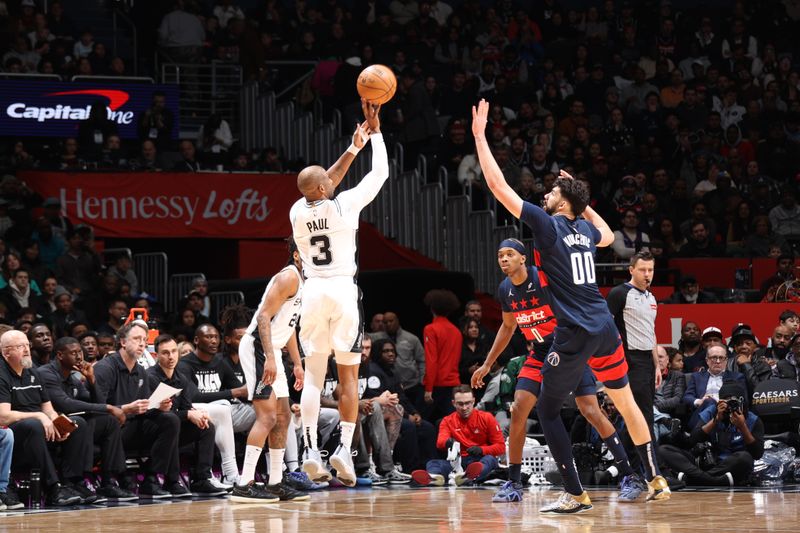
x=68, y=394
x=24, y=392
x=115, y=385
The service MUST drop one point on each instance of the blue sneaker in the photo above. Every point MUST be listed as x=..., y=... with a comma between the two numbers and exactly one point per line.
x=509, y=492
x=301, y=481
x=631, y=487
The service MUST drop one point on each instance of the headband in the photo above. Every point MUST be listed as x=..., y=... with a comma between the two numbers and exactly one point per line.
x=514, y=244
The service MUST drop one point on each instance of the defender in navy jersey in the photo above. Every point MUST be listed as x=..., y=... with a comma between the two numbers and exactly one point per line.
x=585, y=332
x=526, y=305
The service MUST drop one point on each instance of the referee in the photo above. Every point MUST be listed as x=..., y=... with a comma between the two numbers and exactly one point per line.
x=634, y=309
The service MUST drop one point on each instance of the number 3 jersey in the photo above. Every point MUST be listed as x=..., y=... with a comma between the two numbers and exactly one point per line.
x=565, y=252
x=283, y=323
x=326, y=230
x=530, y=305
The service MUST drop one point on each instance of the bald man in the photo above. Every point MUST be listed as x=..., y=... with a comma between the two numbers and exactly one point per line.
x=325, y=230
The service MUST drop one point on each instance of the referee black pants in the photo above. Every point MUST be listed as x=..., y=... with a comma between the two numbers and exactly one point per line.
x=642, y=378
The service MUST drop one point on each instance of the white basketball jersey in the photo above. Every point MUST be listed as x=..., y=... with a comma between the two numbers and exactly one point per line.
x=325, y=231
x=285, y=320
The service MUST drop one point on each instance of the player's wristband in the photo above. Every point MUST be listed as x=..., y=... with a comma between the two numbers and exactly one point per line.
x=353, y=149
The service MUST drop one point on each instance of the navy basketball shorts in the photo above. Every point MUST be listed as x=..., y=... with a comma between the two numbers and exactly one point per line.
x=574, y=348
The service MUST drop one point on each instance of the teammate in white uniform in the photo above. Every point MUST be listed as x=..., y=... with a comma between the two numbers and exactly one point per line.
x=272, y=328
x=325, y=230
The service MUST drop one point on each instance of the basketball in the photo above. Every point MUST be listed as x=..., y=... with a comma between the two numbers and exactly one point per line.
x=376, y=84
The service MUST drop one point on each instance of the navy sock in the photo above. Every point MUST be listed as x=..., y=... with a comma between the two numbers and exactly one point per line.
x=559, y=442
x=647, y=452
x=620, y=456
x=515, y=473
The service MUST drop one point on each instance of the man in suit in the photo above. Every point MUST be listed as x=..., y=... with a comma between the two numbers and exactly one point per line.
x=703, y=387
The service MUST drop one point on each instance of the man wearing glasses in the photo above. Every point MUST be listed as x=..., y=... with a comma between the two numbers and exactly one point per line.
x=471, y=438
x=703, y=386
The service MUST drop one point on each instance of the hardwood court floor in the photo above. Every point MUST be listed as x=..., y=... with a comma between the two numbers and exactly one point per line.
x=431, y=510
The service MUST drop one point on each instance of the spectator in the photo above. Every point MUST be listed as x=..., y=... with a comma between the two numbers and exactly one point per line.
x=83, y=47
x=670, y=391
x=106, y=344
x=65, y=312
x=149, y=159
x=122, y=268
x=19, y=294
x=689, y=292
x=117, y=313
x=785, y=272
x=181, y=35
x=88, y=342
x=787, y=368
x=225, y=11
x=785, y=218
x=735, y=437
x=702, y=388
x=93, y=132
x=376, y=324
x=629, y=239
x=743, y=360
x=468, y=437
x=700, y=243
x=778, y=346
x=26, y=409
x=70, y=383
x=189, y=162
x=214, y=139
x=473, y=351
x=442, y=353
x=41, y=344
x=51, y=246
x=78, y=268
x=156, y=122
x=122, y=382
x=409, y=366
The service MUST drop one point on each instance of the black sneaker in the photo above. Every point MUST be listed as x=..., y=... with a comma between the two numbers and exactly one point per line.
x=252, y=493
x=151, y=489
x=118, y=494
x=204, y=487
x=177, y=490
x=286, y=493
x=10, y=500
x=87, y=495
x=61, y=496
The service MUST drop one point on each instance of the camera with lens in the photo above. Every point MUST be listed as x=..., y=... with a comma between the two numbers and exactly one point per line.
x=734, y=405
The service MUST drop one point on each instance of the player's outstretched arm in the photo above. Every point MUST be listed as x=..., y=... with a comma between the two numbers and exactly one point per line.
x=491, y=171
x=363, y=193
x=339, y=169
x=500, y=342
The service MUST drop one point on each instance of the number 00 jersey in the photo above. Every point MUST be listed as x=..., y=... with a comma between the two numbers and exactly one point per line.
x=530, y=305
x=325, y=231
x=283, y=323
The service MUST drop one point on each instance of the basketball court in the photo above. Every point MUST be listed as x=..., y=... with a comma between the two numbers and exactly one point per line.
x=433, y=509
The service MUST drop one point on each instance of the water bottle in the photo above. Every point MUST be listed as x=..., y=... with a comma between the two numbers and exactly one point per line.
x=36, y=489
x=23, y=492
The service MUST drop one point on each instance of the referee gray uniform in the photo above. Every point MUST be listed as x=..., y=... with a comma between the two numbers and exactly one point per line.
x=634, y=312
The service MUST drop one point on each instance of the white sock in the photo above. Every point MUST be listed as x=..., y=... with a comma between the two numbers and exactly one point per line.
x=251, y=456
x=348, y=430
x=275, y=466
x=230, y=470
x=309, y=400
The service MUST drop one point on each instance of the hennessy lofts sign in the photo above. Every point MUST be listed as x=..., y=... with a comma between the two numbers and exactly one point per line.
x=164, y=204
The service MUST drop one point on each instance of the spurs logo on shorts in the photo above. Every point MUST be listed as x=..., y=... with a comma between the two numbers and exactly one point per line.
x=553, y=359
x=262, y=389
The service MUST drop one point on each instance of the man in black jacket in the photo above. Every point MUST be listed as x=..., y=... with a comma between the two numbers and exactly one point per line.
x=19, y=295
x=72, y=394
x=196, y=427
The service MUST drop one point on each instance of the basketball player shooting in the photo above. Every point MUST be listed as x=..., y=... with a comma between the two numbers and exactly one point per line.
x=586, y=332
x=325, y=229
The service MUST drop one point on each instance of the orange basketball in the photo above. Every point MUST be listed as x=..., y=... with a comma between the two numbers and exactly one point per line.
x=376, y=84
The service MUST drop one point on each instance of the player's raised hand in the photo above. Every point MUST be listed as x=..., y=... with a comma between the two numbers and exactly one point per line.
x=564, y=174
x=478, y=375
x=361, y=135
x=372, y=114
x=479, y=119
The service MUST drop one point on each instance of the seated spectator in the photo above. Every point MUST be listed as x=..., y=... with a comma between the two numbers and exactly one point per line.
x=189, y=162
x=117, y=314
x=65, y=312
x=70, y=384
x=701, y=243
x=25, y=408
x=735, y=438
x=11, y=263
x=112, y=155
x=697, y=361
x=473, y=351
x=690, y=293
x=215, y=380
x=19, y=294
x=760, y=241
x=200, y=286
x=187, y=323
x=790, y=319
x=31, y=261
x=787, y=368
x=196, y=426
x=122, y=382
x=785, y=217
x=470, y=438
x=786, y=272
x=122, y=268
x=106, y=344
x=149, y=159
x=670, y=391
x=88, y=342
x=83, y=47
x=51, y=245
x=702, y=387
x=777, y=347
x=78, y=268
x=754, y=369
x=629, y=239
x=41, y=340
x=410, y=360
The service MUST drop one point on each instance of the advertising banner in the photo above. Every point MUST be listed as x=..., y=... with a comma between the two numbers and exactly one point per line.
x=35, y=108
x=167, y=204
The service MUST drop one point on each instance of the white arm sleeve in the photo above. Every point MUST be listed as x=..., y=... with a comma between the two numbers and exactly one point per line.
x=362, y=194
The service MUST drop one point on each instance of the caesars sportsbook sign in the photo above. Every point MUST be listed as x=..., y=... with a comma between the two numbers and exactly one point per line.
x=167, y=204
x=55, y=109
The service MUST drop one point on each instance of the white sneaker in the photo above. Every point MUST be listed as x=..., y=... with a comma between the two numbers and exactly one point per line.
x=568, y=504
x=342, y=461
x=218, y=484
x=314, y=466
